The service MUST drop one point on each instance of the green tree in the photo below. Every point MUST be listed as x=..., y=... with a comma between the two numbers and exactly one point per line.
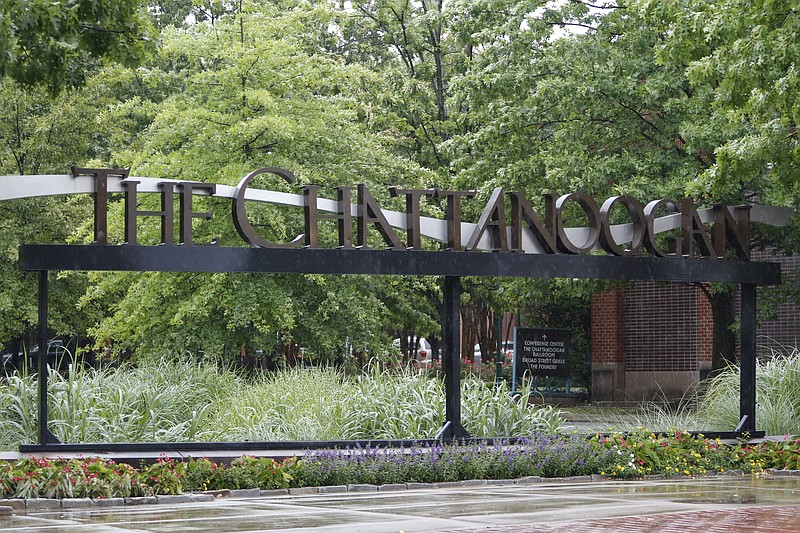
x=594, y=112
x=42, y=133
x=743, y=53
x=55, y=42
x=252, y=94
x=739, y=60
x=410, y=45
x=54, y=45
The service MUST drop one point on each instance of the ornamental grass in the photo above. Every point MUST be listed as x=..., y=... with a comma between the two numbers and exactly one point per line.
x=777, y=393
x=715, y=406
x=190, y=402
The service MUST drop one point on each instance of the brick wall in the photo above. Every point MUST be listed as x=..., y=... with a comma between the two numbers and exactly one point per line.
x=608, y=325
x=705, y=328
x=668, y=328
x=660, y=327
x=783, y=333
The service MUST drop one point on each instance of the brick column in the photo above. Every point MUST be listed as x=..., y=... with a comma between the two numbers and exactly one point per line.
x=705, y=334
x=608, y=346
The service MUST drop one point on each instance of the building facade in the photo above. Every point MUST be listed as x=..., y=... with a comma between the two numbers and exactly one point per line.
x=654, y=340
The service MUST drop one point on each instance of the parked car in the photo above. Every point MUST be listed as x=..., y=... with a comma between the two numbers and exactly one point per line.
x=507, y=347
x=56, y=352
x=422, y=351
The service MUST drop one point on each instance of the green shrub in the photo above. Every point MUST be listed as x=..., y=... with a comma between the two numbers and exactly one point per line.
x=245, y=472
x=547, y=455
x=676, y=454
x=164, y=476
x=72, y=478
x=200, y=475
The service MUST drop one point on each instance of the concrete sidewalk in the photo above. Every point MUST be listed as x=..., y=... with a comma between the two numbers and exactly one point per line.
x=724, y=503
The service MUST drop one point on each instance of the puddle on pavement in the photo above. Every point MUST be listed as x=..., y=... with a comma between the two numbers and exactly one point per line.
x=166, y=522
x=476, y=504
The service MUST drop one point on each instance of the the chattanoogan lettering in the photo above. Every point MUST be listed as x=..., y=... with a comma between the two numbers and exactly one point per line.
x=413, y=237
x=100, y=197
x=240, y=220
x=132, y=212
x=729, y=233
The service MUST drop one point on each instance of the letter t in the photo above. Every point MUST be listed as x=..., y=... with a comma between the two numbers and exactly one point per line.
x=100, y=196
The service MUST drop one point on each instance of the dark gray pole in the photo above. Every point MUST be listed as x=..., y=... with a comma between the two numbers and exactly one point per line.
x=451, y=364
x=747, y=375
x=44, y=433
x=498, y=360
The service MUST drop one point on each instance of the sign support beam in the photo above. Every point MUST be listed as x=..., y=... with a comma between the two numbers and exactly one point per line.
x=389, y=262
x=747, y=362
x=45, y=437
x=43, y=258
x=451, y=361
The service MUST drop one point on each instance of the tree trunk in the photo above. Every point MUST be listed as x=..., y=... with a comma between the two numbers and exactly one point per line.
x=404, y=346
x=435, y=348
x=477, y=319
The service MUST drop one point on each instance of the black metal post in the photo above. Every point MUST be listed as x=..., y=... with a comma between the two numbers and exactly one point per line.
x=44, y=433
x=747, y=365
x=451, y=364
x=498, y=361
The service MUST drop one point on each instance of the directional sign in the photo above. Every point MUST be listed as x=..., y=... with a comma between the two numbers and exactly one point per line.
x=542, y=352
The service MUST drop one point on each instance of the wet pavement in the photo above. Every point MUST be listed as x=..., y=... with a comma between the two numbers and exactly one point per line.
x=723, y=503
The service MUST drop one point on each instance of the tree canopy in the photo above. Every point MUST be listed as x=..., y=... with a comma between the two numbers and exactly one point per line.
x=645, y=98
x=56, y=42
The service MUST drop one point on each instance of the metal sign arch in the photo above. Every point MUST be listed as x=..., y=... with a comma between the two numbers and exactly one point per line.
x=530, y=258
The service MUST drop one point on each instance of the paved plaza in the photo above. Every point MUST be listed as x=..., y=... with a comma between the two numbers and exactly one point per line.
x=715, y=504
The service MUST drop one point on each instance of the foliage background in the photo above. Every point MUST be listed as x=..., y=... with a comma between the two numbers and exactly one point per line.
x=644, y=97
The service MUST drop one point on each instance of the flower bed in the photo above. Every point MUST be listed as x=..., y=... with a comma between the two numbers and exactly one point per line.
x=615, y=456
